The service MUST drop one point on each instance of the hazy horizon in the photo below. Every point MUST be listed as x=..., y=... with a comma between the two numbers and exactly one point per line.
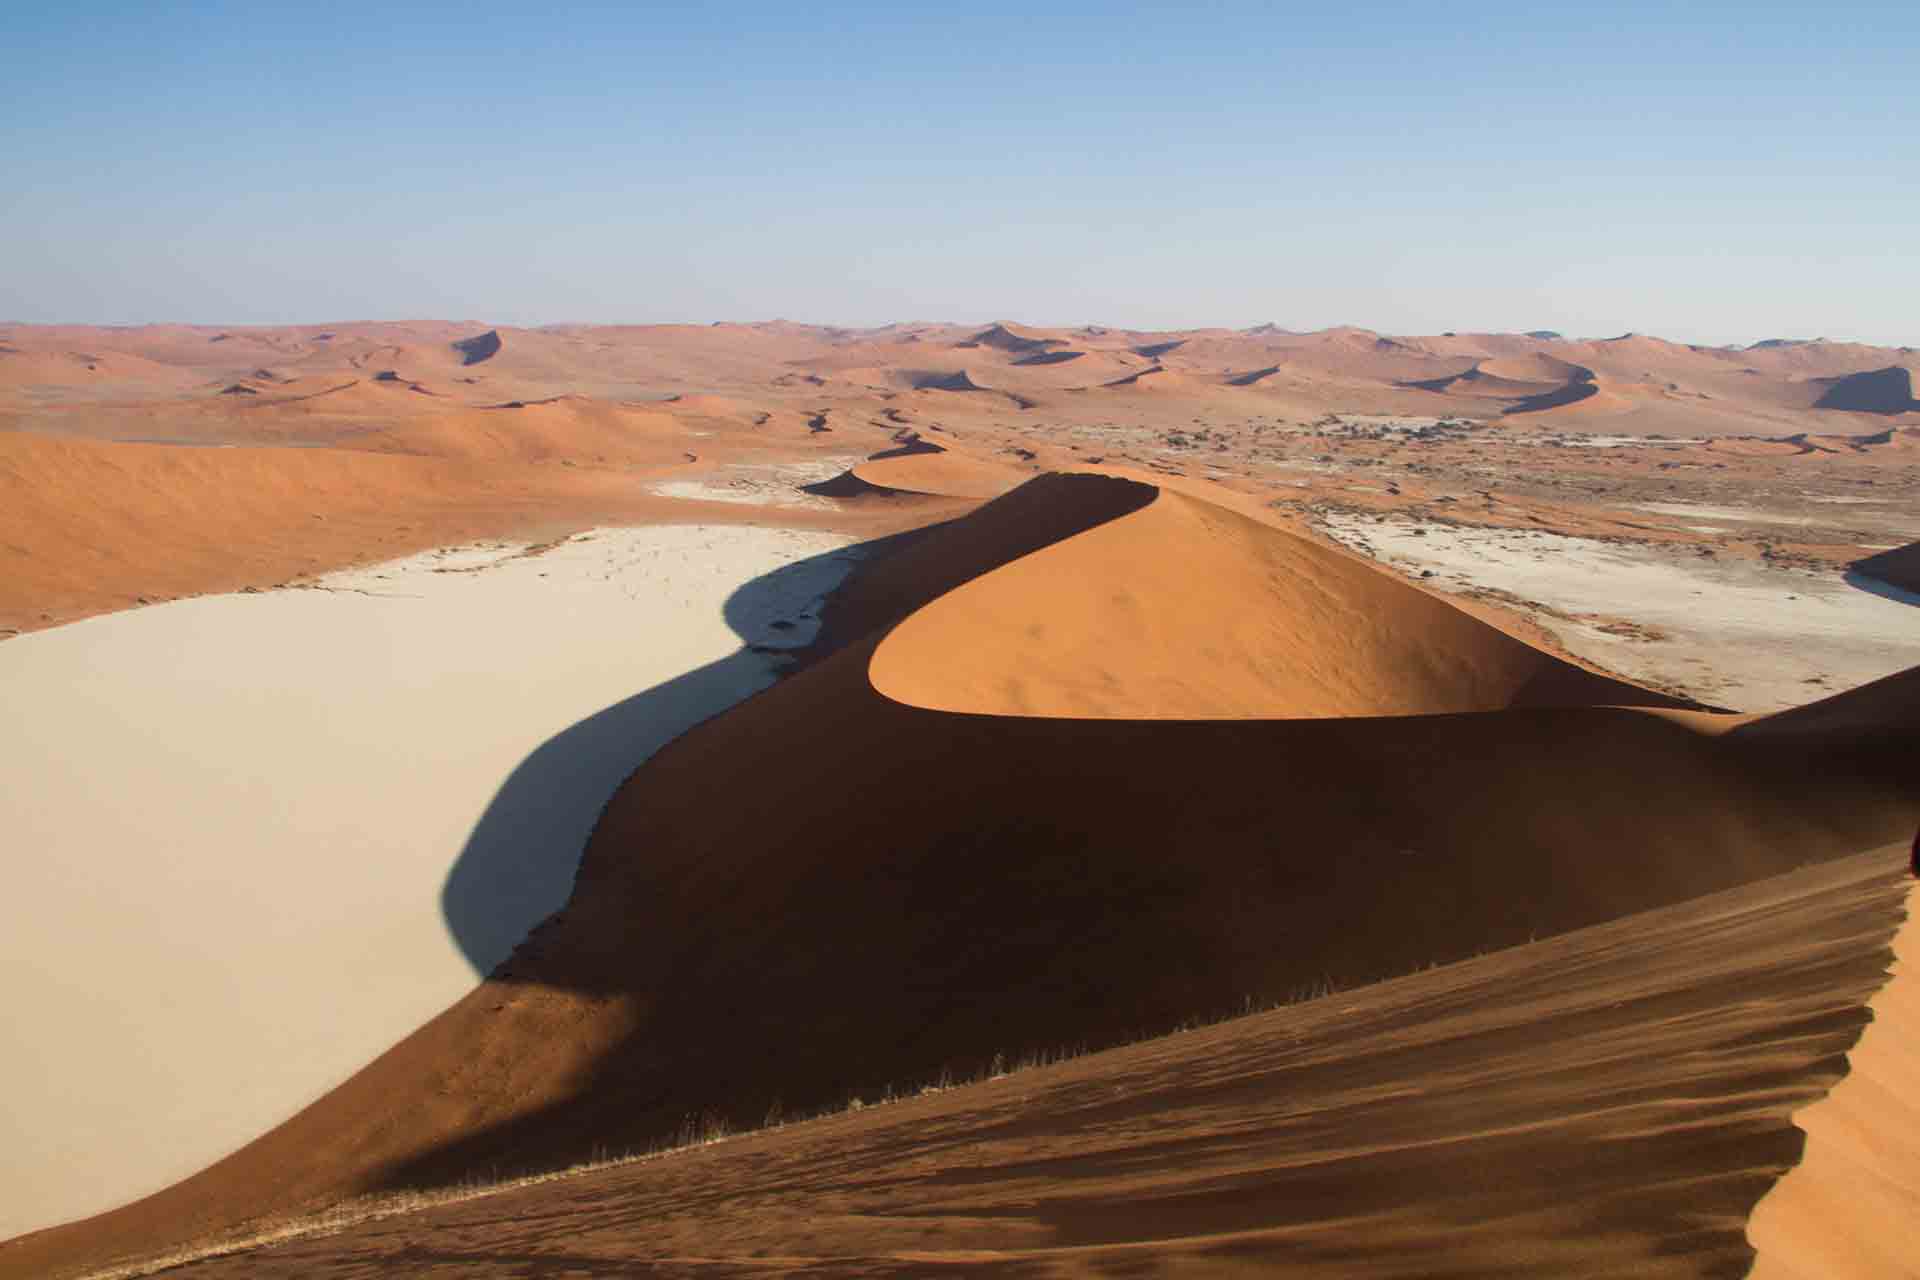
x=1718, y=176
x=971, y=323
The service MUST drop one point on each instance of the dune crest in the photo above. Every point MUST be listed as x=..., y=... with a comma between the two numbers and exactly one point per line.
x=1186, y=610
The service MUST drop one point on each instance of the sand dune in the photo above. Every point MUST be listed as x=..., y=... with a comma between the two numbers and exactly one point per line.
x=1114, y=751
x=1829, y=1216
x=959, y=380
x=938, y=472
x=1130, y=630
x=1663, y=386
x=1158, y=378
x=87, y=527
x=1606, y=1103
x=1577, y=396
x=26, y=372
x=1888, y=390
x=1050, y=357
x=1534, y=367
x=1528, y=384
x=1254, y=377
x=1015, y=338
x=1005, y=883
x=566, y=427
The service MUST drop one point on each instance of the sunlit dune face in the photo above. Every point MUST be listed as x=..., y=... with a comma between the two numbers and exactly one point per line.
x=1185, y=610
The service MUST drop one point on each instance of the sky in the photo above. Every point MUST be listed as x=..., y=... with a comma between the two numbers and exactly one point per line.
x=1707, y=172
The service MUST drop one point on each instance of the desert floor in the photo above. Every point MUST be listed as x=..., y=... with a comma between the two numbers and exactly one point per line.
x=275, y=832
x=1734, y=633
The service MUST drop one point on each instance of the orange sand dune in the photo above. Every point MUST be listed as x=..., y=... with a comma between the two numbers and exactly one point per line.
x=1066, y=368
x=1817, y=358
x=1630, y=347
x=1536, y=367
x=1130, y=631
x=1606, y=1103
x=963, y=382
x=566, y=428
x=285, y=408
x=961, y=379
x=714, y=406
x=86, y=526
x=89, y=526
x=1664, y=386
x=1483, y=345
x=887, y=890
x=939, y=472
x=1534, y=384
x=216, y=352
x=1158, y=378
x=1576, y=399
x=1016, y=338
x=25, y=371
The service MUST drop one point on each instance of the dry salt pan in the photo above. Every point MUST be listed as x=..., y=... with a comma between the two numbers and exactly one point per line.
x=1735, y=633
x=253, y=840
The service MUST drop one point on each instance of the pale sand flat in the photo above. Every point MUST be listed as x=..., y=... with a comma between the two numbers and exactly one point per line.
x=231, y=821
x=1747, y=636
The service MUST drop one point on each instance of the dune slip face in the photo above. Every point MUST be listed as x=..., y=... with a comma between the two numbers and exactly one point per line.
x=832, y=890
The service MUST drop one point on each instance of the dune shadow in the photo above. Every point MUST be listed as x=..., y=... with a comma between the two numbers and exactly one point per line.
x=1885, y=590
x=517, y=866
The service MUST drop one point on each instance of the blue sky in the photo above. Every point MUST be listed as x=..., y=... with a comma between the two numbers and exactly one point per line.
x=1710, y=172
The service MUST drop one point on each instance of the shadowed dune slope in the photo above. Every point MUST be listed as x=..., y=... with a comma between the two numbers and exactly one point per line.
x=1888, y=390
x=1900, y=567
x=1877, y=717
x=481, y=347
x=829, y=890
x=1609, y=1102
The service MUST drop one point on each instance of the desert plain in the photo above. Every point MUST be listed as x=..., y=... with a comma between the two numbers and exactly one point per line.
x=1244, y=801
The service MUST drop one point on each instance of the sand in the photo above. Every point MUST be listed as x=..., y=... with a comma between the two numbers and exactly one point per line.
x=1063, y=771
x=1118, y=624
x=1603, y=1104
x=255, y=839
x=1833, y=1214
x=827, y=889
x=1735, y=634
